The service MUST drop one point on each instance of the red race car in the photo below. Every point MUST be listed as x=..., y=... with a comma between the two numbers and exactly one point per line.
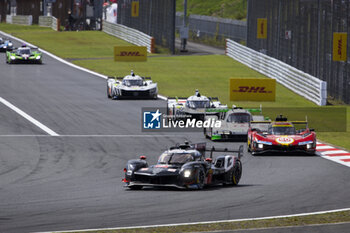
x=281, y=136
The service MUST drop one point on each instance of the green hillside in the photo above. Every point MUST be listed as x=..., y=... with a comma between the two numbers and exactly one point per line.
x=234, y=9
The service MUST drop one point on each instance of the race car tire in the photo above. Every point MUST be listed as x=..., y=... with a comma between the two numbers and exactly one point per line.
x=135, y=187
x=236, y=173
x=200, y=178
x=108, y=91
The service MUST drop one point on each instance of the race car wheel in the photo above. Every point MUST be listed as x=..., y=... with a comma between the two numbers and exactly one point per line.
x=135, y=187
x=108, y=92
x=236, y=173
x=200, y=178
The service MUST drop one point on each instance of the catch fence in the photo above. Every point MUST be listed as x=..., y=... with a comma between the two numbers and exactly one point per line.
x=153, y=17
x=207, y=27
x=304, y=34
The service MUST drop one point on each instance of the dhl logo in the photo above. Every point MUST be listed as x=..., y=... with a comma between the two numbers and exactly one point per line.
x=252, y=89
x=131, y=54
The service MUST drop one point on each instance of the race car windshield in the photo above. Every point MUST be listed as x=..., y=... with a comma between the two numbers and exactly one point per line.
x=282, y=130
x=198, y=103
x=175, y=158
x=132, y=83
x=23, y=51
x=239, y=118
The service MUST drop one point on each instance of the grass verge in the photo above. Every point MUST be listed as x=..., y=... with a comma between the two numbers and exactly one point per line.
x=176, y=75
x=337, y=217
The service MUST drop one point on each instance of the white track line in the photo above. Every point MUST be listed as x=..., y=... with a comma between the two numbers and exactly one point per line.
x=208, y=222
x=29, y=118
x=97, y=136
x=64, y=61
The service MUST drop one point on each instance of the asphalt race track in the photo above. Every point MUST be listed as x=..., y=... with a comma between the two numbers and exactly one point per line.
x=73, y=181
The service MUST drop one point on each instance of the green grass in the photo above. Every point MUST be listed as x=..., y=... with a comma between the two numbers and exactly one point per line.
x=234, y=9
x=69, y=44
x=337, y=217
x=176, y=75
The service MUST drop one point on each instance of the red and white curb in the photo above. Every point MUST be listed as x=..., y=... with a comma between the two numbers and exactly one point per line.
x=333, y=154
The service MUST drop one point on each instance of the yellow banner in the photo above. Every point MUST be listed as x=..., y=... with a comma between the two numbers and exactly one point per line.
x=135, y=6
x=262, y=28
x=252, y=89
x=339, y=46
x=130, y=53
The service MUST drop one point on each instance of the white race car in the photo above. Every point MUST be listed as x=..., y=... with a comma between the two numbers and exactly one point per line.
x=234, y=124
x=131, y=86
x=196, y=106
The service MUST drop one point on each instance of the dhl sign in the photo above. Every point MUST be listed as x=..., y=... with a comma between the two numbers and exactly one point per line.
x=339, y=46
x=130, y=53
x=252, y=89
x=261, y=32
x=135, y=6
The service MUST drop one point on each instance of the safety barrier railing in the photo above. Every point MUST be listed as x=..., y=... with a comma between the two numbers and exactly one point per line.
x=19, y=19
x=49, y=21
x=129, y=34
x=296, y=80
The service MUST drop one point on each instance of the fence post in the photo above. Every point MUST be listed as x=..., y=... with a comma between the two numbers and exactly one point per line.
x=153, y=45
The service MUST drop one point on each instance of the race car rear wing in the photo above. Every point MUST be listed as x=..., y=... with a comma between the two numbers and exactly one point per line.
x=202, y=147
x=293, y=122
x=213, y=149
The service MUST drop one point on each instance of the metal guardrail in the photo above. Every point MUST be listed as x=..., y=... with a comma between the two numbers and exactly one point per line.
x=129, y=34
x=214, y=27
x=49, y=21
x=296, y=80
x=19, y=19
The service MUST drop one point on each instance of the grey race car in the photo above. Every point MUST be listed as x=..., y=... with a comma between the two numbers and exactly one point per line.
x=131, y=86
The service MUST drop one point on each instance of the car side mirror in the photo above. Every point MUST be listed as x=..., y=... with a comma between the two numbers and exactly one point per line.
x=312, y=130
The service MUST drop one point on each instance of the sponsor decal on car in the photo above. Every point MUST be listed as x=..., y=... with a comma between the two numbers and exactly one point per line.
x=284, y=140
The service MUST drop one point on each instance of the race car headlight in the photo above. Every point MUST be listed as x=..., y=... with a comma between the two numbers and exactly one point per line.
x=5, y=47
x=264, y=142
x=309, y=146
x=12, y=57
x=38, y=58
x=305, y=143
x=187, y=173
x=131, y=167
x=260, y=146
x=10, y=44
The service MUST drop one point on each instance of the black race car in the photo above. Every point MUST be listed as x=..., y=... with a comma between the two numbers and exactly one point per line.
x=185, y=166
